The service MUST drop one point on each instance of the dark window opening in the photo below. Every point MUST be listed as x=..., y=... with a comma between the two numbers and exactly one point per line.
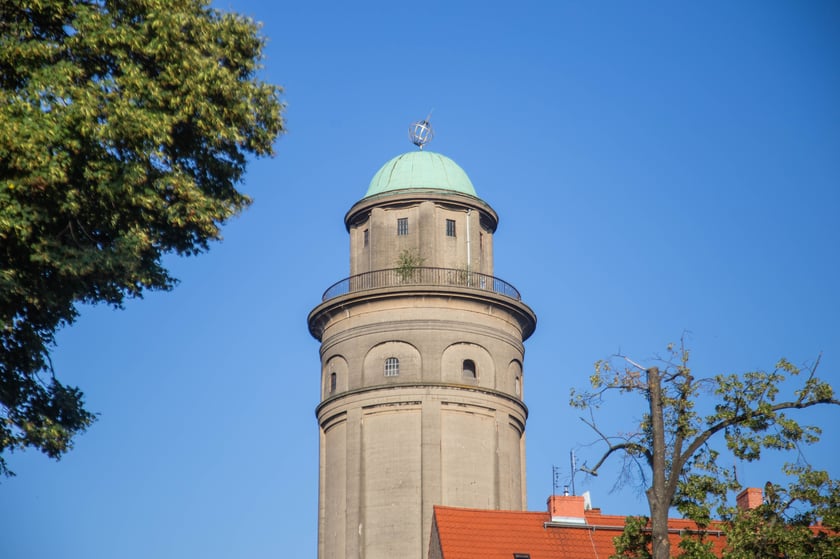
x=333, y=382
x=468, y=369
x=521, y=556
x=450, y=227
x=367, y=237
x=392, y=367
x=402, y=226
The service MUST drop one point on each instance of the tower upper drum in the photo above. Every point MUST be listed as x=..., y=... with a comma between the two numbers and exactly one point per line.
x=421, y=206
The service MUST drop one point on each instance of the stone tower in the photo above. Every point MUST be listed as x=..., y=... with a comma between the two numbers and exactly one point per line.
x=421, y=366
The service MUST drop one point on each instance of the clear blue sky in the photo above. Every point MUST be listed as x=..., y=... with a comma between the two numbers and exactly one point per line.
x=658, y=167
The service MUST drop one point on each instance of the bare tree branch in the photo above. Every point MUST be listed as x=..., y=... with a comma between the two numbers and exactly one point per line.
x=626, y=446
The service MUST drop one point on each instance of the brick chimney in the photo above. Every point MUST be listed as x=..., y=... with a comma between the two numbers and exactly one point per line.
x=566, y=509
x=749, y=498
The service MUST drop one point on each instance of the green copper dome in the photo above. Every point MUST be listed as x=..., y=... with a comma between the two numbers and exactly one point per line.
x=420, y=169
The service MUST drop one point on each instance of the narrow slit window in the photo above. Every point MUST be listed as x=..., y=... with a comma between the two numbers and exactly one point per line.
x=392, y=367
x=367, y=237
x=333, y=382
x=402, y=226
x=450, y=227
x=468, y=369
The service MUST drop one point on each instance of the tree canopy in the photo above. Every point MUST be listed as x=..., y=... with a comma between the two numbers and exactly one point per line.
x=671, y=448
x=125, y=128
x=801, y=521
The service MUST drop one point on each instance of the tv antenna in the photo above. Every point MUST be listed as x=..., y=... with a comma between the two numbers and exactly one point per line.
x=555, y=480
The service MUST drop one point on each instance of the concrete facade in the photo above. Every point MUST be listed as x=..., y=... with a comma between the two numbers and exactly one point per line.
x=421, y=376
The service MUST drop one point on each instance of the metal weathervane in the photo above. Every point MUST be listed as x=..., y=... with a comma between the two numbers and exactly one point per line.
x=420, y=133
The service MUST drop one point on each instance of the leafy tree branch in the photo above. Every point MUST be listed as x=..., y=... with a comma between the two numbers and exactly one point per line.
x=126, y=128
x=674, y=439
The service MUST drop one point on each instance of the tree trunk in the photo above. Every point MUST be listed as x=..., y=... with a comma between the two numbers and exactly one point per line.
x=657, y=499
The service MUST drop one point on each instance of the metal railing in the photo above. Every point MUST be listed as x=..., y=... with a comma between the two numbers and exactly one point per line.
x=400, y=277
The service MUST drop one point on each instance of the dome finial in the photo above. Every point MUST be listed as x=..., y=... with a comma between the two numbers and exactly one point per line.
x=420, y=133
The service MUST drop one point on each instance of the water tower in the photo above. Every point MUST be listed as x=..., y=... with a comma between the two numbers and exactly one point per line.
x=421, y=364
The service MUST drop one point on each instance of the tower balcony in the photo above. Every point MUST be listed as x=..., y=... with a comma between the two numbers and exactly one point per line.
x=421, y=277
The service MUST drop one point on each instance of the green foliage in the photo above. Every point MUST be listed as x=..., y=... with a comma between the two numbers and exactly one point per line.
x=695, y=546
x=798, y=522
x=124, y=131
x=407, y=263
x=801, y=521
x=634, y=542
x=672, y=442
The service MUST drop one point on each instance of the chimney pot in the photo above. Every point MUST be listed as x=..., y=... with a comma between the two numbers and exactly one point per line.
x=567, y=509
x=749, y=498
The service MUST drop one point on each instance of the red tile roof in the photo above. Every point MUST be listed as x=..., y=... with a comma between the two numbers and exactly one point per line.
x=487, y=534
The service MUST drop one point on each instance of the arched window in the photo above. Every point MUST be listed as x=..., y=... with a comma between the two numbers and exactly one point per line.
x=392, y=367
x=468, y=370
x=333, y=382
